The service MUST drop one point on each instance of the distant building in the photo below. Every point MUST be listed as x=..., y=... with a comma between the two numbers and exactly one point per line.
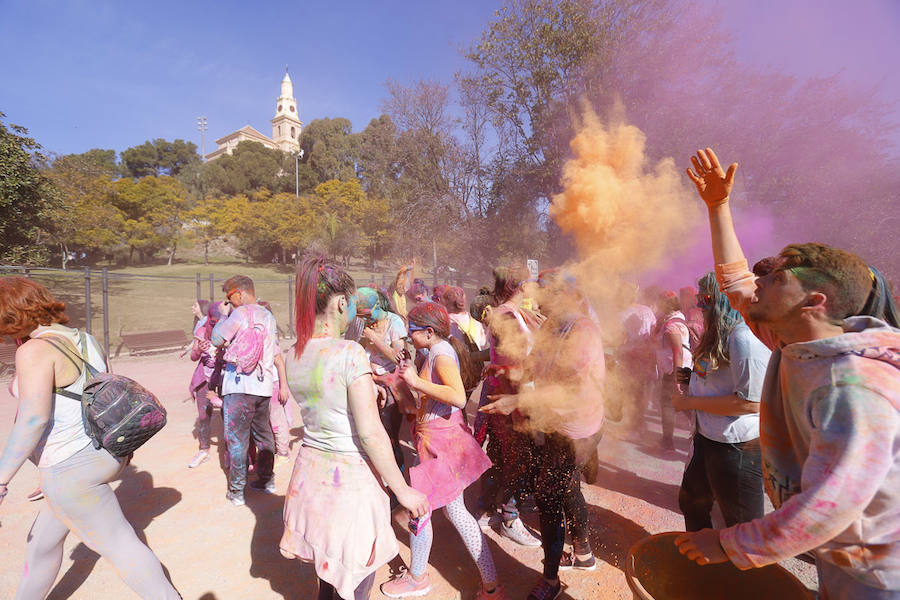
x=286, y=127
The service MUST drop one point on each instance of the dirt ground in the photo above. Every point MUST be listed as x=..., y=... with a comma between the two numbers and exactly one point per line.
x=215, y=551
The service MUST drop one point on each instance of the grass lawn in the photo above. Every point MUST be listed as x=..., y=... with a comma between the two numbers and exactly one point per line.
x=148, y=303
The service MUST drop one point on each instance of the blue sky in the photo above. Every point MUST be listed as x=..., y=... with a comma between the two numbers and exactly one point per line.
x=109, y=74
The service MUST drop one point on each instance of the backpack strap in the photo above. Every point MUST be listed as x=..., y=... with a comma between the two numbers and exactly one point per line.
x=68, y=353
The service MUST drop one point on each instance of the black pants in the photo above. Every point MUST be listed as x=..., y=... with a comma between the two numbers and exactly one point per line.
x=559, y=498
x=730, y=474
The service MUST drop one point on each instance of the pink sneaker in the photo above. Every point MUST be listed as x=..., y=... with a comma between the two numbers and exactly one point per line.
x=497, y=594
x=406, y=587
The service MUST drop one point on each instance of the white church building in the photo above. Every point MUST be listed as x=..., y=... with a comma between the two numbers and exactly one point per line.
x=286, y=127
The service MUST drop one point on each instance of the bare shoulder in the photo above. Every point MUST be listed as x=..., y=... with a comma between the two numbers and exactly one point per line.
x=35, y=350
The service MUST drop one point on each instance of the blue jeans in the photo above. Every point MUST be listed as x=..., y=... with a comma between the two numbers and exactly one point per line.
x=246, y=415
x=730, y=474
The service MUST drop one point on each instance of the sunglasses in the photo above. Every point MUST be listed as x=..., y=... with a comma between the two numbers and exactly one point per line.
x=230, y=294
x=704, y=301
x=413, y=327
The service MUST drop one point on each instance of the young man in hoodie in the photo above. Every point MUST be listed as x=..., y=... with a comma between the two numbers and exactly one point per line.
x=830, y=413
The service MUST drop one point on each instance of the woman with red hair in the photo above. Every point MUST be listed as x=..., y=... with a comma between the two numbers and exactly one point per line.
x=336, y=512
x=75, y=475
x=449, y=459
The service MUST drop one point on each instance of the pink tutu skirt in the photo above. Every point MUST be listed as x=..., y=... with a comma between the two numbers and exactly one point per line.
x=337, y=515
x=450, y=460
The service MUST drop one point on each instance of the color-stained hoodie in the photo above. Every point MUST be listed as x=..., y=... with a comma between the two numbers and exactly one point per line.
x=830, y=437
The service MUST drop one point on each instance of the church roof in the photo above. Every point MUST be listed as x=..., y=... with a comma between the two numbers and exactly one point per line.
x=247, y=131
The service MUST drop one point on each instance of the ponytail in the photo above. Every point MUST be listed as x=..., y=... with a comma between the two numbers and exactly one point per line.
x=468, y=370
x=317, y=282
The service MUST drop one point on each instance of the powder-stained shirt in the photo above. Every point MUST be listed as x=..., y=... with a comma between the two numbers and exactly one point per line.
x=319, y=381
x=261, y=381
x=829, y=434
x=743, y=376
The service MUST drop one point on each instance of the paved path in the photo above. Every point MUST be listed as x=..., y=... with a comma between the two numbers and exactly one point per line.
x=213, y=550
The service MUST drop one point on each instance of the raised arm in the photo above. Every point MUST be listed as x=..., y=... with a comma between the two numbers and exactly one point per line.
x=714, y=186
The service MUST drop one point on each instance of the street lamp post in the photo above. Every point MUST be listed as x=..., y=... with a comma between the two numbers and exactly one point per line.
x=201, y=126
x=297, y=156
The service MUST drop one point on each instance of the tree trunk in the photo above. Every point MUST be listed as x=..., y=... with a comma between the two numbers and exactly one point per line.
x=206, y=252
x=65, y=255
x=172, y=254
x=130, y=254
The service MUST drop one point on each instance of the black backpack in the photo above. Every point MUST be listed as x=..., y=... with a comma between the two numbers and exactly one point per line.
x=118, y=413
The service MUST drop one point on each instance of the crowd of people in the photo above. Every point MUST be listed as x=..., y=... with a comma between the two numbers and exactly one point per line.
x=789, y=375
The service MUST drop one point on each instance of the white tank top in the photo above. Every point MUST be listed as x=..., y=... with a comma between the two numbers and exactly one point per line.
x=64, y=435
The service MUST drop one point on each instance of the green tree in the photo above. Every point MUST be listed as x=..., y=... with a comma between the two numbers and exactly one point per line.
x=209, y=221
x=159, y=157
x=378, y=158
x=154, y=209
x=251, y=168
x=86, y=218
x=26, y=197
x=330, y=149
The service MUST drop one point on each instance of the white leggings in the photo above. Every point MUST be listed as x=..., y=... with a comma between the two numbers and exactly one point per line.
x=79, y=499
x=469, y=531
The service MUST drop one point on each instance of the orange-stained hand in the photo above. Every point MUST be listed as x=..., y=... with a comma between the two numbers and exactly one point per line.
x=702, y=547
x=713, y=183
x=681, y=401
x=503, y=404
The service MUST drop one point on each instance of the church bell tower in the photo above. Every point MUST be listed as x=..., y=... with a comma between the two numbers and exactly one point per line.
x=286, y=125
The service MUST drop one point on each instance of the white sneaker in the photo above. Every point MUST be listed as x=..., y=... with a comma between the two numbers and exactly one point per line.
x=200, y=458
x=517, y=532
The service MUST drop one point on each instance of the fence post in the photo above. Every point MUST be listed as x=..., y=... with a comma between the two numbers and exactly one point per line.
x=105, y=312
x=199, y=288
x=87, y=299
x=290, y=326
x=212, y=285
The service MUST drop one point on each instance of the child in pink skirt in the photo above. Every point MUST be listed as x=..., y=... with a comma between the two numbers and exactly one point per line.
x=336, y=511
x=449, y=458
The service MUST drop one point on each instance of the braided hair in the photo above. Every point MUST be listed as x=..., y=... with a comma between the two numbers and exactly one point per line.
x=317, y=282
